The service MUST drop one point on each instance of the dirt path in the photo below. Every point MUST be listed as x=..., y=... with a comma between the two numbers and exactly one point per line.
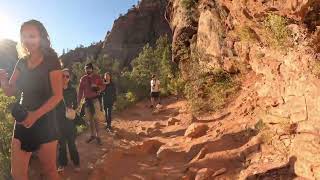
x=144, y=146
x=126, y=125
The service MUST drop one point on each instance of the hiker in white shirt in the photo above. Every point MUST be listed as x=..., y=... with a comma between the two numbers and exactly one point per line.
x=155, y=91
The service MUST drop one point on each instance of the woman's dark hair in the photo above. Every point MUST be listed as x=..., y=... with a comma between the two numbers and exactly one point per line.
x=108, y=73
x=89, y=65
x=45, y=44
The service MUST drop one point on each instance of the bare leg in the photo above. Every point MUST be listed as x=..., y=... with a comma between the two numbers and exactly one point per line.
x=96, y=125
x=89, y=117
x=99, y=116
x=158, y=100
x=48, y=155
x=92, y=127
x=19, y=161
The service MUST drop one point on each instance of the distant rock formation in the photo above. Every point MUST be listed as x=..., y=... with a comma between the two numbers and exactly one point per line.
x=144, y=23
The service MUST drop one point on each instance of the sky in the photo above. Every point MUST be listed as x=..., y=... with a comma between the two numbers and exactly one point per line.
x=68, y=22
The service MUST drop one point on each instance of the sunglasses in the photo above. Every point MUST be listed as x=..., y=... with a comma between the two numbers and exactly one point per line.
x=66, y=76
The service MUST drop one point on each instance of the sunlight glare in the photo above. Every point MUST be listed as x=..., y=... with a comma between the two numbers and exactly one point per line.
x=7, y=30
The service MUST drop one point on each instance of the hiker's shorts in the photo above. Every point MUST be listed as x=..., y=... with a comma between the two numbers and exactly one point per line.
x=155, y=94
x=98, y=114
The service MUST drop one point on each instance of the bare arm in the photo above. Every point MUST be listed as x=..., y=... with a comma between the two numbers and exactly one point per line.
x=81, y=91
x=56, y=84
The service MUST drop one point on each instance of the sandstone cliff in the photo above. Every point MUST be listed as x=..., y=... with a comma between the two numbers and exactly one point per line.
x=142, y=24
x=275, y=47
x=81, y=54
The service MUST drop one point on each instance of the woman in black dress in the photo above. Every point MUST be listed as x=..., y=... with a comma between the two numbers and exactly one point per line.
x=38, y=77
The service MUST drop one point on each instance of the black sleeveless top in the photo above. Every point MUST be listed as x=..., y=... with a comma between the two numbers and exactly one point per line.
x=35, y=87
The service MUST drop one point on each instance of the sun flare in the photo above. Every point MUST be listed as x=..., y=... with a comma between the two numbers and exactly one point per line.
x=6, y=27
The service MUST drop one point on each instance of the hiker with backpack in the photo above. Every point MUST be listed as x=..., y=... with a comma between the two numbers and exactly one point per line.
x=91, y=85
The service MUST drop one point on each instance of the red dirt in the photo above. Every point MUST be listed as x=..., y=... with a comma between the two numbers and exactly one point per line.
x=225, y=145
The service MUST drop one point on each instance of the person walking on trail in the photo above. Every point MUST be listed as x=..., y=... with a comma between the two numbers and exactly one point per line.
x=108, y=97
x=155, y=91
x=66, y=125
x=91, y=85
x=37, y=75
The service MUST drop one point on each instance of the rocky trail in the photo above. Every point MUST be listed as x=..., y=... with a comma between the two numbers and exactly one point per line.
x=173, y=144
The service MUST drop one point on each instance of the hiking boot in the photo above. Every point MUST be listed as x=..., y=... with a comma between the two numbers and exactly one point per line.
x=99, y=141
x=90, y=139
x=60, y=169
x=109, y=128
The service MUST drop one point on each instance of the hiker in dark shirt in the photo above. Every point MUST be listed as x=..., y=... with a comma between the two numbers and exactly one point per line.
x=37, y=75
x=108, y=97
x=67, y=125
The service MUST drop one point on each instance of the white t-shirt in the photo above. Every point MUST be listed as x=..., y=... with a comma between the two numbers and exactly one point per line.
x=155, y=85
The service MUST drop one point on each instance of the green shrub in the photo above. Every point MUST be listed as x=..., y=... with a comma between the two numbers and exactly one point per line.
x=124, y=100
x=188, y=4
x=6, y=127
x=150, y=61
x=210, y=91
x=131, y=97
x=316, y=69
x=247, y=34
x=278, y=32
x=133, y=85
x=81, y=129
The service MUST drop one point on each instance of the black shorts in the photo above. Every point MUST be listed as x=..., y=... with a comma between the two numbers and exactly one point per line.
x=155, y=94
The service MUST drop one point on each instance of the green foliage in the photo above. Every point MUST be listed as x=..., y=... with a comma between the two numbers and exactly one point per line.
x=6, y=127
x=188, y=4
x=278, y=32
x=134, y=85
x=102, y=65
x=207, y=89
x=210, y=91
x=154, y=61
x=260, y=125
x=77, y=71
x=81, y=129
x=124, y=100
x=247, y=34
x=316, y=69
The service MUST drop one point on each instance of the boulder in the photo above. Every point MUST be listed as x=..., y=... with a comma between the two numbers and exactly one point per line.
x=190, y=118
x=149, y=146
x=196, y=130
x=166, y=152
x=219, y=172
x=156, y=125
x=204, y=174
x=172, y=121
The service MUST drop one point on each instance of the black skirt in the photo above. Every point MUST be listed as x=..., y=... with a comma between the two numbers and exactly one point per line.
x=43, y=131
